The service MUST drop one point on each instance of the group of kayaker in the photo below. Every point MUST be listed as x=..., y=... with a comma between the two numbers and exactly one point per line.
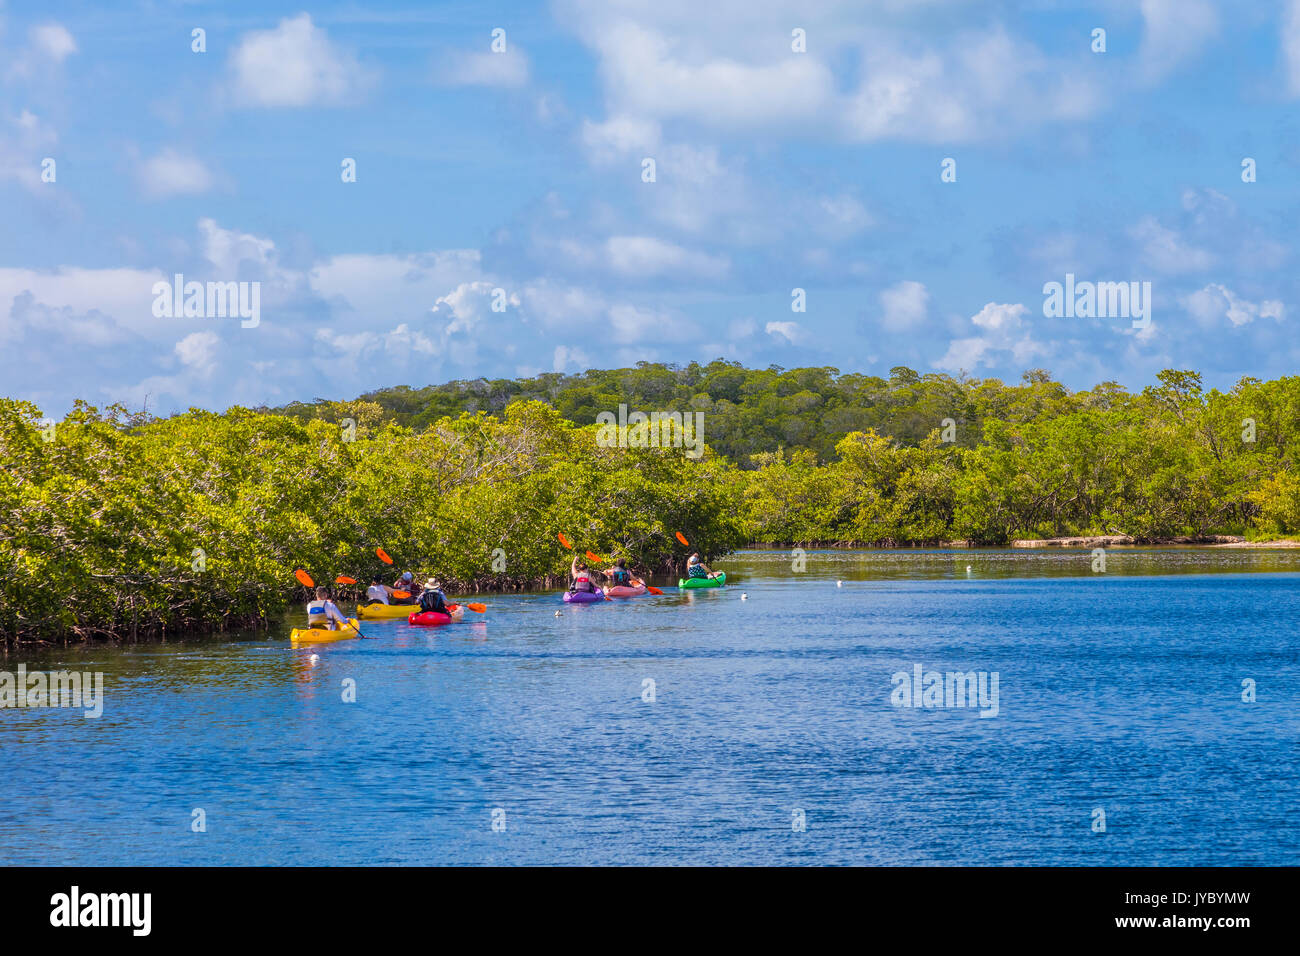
x=324, y=613
x=403, y=591
x=581, y=577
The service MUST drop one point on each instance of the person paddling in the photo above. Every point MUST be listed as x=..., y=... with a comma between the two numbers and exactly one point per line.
x=405, y=583
x=324, y=614
x=378, y=592
x=695, y=568
x=432, y=598
x=620, y=576
x=580, y=576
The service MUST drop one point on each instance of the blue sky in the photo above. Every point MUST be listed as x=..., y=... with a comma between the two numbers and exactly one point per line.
x=521, y=171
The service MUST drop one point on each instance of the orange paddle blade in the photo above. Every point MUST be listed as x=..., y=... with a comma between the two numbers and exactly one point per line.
x=595, y=557
x=652, y=589
x=477, y=608
x=383, y=556
x=304, y=578
x=682, y=538
x=401, y=595
x=563, y=540
x=344, y=579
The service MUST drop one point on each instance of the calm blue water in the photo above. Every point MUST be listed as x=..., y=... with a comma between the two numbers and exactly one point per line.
x=1119, y=691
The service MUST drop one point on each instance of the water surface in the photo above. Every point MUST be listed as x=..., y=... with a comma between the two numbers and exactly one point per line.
x=1120, y=691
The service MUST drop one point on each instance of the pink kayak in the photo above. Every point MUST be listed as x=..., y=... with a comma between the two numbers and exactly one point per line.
x=625, y=590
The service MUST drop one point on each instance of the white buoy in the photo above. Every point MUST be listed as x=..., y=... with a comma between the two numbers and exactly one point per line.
x=744, y=597
x=314, y=658
x=839, y=584
x=557, y=613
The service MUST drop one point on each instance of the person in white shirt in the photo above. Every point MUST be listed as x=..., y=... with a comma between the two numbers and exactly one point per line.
x=378, y=591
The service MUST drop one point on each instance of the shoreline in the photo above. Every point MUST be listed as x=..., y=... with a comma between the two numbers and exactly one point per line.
x=1033, y=544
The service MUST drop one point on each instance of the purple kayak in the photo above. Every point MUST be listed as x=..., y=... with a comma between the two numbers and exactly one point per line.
x=583, y=597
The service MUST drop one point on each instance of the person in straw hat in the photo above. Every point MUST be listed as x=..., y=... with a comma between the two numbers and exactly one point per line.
x=432, y=598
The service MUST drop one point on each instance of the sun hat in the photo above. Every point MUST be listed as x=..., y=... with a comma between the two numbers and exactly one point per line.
x=433, y=584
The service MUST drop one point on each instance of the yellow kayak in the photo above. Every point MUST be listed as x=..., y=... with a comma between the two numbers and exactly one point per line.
x=376, y=612
x=318, y=635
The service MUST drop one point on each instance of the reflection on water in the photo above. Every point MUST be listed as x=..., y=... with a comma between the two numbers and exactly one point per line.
x=689, y=728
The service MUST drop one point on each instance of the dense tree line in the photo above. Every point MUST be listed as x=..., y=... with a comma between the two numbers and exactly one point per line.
x=111, y=523
x=747, y=411
x=1172, y=461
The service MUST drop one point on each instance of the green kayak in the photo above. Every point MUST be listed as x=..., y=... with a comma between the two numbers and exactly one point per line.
x=717, y=582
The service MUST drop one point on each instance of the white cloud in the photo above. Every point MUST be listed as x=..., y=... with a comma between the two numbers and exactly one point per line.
x=792, y=332
x=1290, y=38
x=565, y=357
x=905, y=305
x=25, y=140
x=1000, y=318
x=980, y=82
x=648, y=73
x=509, y=69
x=740, y=329
x=1004, y=337
x=173, y=174
x=228, y=250
x=631, y=323
x=198, y=351
x=399, y=344
x=844, y=216
x=571, y=308
x=48, y=45
x=1165, y=249
x=1175, y=32
x=620, y=137
x=1215, y=301
x=646, y=256
x=463, y=309
x=964, y=354
x=295, y=64
x=660, y=62
x=117, y=299
x=53, y=41
x=23, y=317
x=385, y=284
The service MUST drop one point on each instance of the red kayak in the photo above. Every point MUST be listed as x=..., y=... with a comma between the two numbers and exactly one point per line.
x=434, y=619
